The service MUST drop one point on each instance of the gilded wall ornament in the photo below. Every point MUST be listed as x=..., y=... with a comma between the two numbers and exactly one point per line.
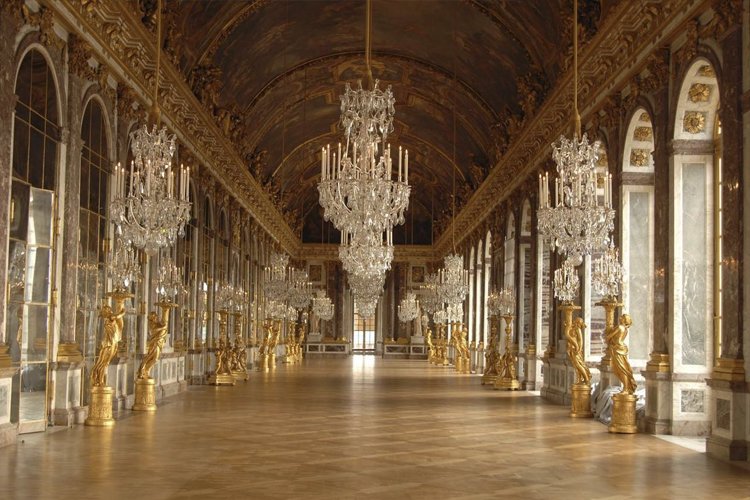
x=694, y=122
x=706, y=70
x=699, y=92
x=639, y=157
x=643, y=134
x=645, y=117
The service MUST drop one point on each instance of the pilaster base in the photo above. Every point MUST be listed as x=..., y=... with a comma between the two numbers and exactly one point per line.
x=507, y=384
x=658, y=396
x=730, y=427
x=100, y=408
x=623, y=414
x=8, y=434
x=145, y=395
x=581, y=401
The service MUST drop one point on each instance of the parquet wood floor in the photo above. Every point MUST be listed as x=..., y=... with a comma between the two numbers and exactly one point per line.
x=361, y=428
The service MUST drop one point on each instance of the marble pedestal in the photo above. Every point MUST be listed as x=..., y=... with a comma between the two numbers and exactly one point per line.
x=67, y=410
x=730, y=425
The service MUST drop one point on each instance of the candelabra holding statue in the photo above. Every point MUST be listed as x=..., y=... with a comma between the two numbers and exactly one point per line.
x=492, y=353
x=503, y=304
x=124, y=270
x=607, y=277
x=225, y=300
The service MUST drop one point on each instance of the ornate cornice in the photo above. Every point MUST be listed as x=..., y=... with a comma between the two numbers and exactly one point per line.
x=626, y=40
x=127, y=47
x=401, y=253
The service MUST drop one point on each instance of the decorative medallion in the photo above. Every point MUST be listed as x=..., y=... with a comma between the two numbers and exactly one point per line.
x=699, y=92
x=643, y=134
x=644, y=117
x=706, y=70
x=694, y=122
x=639, y=157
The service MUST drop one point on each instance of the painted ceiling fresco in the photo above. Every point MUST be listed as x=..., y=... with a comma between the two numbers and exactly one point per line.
x=459, y=70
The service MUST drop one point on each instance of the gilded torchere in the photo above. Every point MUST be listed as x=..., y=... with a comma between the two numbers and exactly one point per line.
x=265, y=345
x=430, y=345
x=239, y=351
x=581, y=392
x=145, y=385
x=441, y=349
x=623, y=403
x=491, y=356
x=462, y=349
x=506, y=371
x=100, y=408
x=222, y=374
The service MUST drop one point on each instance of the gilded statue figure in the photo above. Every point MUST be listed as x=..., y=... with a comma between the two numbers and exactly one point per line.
x=158, y=331
x=113, y=325
x=619, y=354
x=240, y=355
x=222, y=360
x=430, y=346
x=506, y=365
x=574, y=337
x=491, y=355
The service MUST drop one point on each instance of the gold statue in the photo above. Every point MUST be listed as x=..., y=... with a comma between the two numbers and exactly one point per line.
x=491, y=357
x=619, y=354
x=222, y=361
x=159, y=329
x=430, y=345
x=113, y=326
x=574, y=336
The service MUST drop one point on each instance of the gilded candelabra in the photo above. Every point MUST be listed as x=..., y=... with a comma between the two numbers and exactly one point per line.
x=239, y=352
x=100, y=408
x=581, y=391
x=623, y=403
x=506, y=371
x=491, y=356
x=145, y=385
x=460, y=347
x=223, y=373
x=273, y=342
x=264, y=345
x=441, y=347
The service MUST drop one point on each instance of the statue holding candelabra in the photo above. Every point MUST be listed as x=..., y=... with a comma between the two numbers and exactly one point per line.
x=503, y=304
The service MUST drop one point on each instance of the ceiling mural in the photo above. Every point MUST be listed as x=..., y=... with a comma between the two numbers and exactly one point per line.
x=463, y=73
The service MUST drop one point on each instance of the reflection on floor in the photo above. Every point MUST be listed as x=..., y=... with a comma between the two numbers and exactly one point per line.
x=359, y=428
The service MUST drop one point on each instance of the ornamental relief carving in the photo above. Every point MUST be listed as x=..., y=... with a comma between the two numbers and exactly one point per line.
x=700, y=92
x=639, y=157
x=694, y=122
x=643, y=134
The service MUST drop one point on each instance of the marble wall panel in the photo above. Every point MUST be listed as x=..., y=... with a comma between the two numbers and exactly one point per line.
x=638, y=288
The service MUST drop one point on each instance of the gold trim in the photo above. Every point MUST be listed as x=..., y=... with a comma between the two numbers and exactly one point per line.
x=659, y=363
x=732, y=370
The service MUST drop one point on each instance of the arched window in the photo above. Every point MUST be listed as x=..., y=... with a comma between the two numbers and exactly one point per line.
x=29, y=321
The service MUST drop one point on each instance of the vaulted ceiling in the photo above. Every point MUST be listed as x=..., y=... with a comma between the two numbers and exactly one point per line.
x=455, y=68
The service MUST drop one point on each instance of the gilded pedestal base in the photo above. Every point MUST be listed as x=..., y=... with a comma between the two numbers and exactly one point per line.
x=488, y=379
x=507, y=383
x=68, y=353
x=145, y=395
x=581, y=402
x=271, y=362
x=100, y=408
x=623, y=414
x=221, y=379
x=240, y=375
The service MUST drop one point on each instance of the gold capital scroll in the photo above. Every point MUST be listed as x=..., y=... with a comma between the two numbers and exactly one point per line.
x=158, y=331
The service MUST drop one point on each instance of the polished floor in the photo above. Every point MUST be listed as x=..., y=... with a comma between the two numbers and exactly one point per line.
x=361, y=428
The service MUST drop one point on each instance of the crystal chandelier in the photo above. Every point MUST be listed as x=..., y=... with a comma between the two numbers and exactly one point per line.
x=579, y=219
x=275, y=310
x=455, y=312
x=123, y=266
x=322, y=306
x=440, y=316
x=431, y=301
x=368, y=254
x=566, y=282
x=408, y=310
x=154, y=210
x=502, y=302
x=225, y=296
x=169, y=280
x=275, y=284
x=366, y=290
x=300, y=289
x=453, y=280
x=607, y=274
x=240, y=299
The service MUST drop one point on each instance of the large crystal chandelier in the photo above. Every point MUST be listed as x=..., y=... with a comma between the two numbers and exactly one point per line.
x=367, y=254
x=300, y=289
x=453, y=280
x=579, y=219
x=408, y=309
x=607, y=275
x=275, y=310
x=152, y=212
x=275, y=284
x=322, y=305
x=225, y=296
x=431, y=301
x=366, y=290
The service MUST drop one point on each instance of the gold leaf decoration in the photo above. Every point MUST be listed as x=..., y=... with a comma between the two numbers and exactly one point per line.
x=694, y=122
x=699, y=92
x=639, y=157
x=643, y=134
x=706, y=71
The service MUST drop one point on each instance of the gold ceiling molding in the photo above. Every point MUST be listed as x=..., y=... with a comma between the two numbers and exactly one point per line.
x=625, y=40
x=118, y=37
x=401, y=253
